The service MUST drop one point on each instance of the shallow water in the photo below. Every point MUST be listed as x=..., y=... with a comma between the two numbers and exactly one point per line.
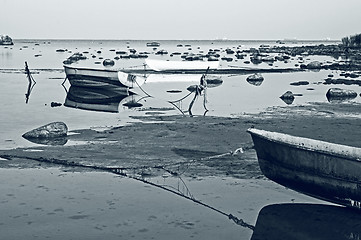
x=50, y=203
x=56, y=204
x=235, y=96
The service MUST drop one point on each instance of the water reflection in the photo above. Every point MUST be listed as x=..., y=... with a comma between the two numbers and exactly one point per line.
x=59, y=141
x=31, y=83
x=98, y=99
x=177, y=89
x=307, y=221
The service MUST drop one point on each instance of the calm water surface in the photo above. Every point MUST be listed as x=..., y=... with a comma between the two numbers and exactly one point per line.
x=46, y=203
x=235, y=96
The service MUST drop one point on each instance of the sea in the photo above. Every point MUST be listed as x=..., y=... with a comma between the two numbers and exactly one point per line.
x=148, y=212
x=233, y=97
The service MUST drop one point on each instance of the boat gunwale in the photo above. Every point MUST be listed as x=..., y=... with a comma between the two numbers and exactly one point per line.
x=347, y=155
x=90, y=69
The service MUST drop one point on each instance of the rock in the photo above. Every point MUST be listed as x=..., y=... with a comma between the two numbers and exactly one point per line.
x=288, y=97
x=339, y=95
x=299, y=83
x=108, y=62
x=121, y=52
x=74, y=58
x=314, y=65
x=55, y=104
x=51, y=130
x=255, y=79
x=161, y=52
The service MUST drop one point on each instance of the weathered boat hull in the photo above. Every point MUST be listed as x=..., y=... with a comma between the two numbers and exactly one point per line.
x=162, y=65
x=323, y=170
x=101, y=78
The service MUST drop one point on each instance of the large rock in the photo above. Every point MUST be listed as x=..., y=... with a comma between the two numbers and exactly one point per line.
x=108, y=62
x=339, y=95
x=51, y=130
x=288, y=97
x=255, y=79
x=314, y=65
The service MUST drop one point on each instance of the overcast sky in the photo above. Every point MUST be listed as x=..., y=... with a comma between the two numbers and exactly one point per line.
x=183, y=19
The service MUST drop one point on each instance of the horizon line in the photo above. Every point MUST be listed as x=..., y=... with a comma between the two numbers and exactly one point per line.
x=215, y=39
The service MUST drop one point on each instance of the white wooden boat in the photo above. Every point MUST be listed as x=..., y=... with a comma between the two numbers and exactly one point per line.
x=320, y=169
x=163, y=65
x=101, y=78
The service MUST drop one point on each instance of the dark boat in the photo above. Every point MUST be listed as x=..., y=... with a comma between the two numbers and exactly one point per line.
x=307, y=221
x=103, y=100
x=324, y=170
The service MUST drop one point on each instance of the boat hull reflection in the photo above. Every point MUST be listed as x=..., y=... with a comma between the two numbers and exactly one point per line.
x=103, y=100
x=307, y=221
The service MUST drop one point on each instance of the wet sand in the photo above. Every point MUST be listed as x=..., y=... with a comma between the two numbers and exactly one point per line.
x=190, y=155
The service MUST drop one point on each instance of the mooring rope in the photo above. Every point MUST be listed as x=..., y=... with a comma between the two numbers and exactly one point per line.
x=142, y=89
x=120, y=172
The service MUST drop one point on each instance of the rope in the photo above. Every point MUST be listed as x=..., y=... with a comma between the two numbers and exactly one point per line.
x=120, y=172
x=142, y=88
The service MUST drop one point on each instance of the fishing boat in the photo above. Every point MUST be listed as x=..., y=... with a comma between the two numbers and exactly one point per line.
x=101, y=78
x=324, y=170
x=163, y=65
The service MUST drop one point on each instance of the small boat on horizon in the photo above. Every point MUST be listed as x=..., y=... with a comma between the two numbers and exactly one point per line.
x=327, y=171
x=101, y=78
x=163, y=65
x=153, y=44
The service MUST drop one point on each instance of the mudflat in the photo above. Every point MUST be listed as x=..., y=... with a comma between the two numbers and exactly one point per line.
x=199, y=148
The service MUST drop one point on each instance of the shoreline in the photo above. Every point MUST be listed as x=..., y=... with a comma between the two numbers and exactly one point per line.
x=200, y=136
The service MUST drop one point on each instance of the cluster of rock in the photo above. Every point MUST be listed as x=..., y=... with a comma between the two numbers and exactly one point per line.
x=326, y=50
x=6, y=40
x=74, y=58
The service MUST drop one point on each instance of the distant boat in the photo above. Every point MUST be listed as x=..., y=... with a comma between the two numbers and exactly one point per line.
x=101, y=78
x=6, y=40
x=163, y=65
x=327, y=171
x=153, y=44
